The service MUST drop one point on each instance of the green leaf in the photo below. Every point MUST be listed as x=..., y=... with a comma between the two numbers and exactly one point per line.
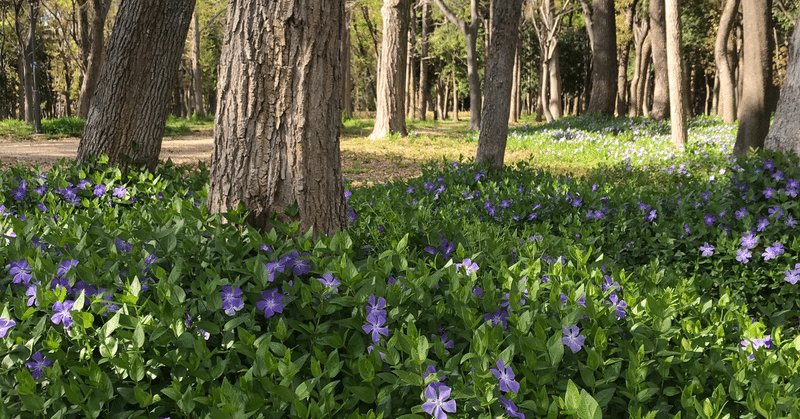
x=556, y=349
x=138, y=335
x=589, y=408
x=111, y=325
x=572, y=399
x=410, y=378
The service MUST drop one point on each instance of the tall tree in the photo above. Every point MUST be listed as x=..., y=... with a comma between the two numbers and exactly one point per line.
x=278, y=118
x=93, y=49
x=197, y=70
x=424, y=91
x=548, y=24
x=470, y=32
x=390, y=116
x=499, y=78
x=604, y=58
x=129, y=110
x=641, y=30
x=658, y=43
x=757, y=71
x=784, y=134
x=723, y=59
x=677, y=88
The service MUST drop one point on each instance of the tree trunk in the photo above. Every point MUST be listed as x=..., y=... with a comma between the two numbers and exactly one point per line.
x=784, y=134
x=197, y=71
x=675, y=67
x=390, y=116
x=658, y=41
x=130, y=106
x=276, y=141
x=727, y=88
x=642, y=50
x=754, y=113
x=95, y=56
x=515, y=103
x=604, y=59
x=422, y=96
x=455, y=92
x=623, y=52
x=555, y=104
x=411, y=88
x=470, y=32
x=347, y=99
x=499, y=78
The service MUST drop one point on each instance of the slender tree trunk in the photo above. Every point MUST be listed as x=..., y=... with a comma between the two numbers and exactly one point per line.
x=390, y=116
x=623, y=52
x=284, y=79
x=347, y=99
x=455, y=92
x=197, y=70
x=754, y=117
x=604, y=59
x=675, y=66
x=95, y=56
x=411, y=89
x=129, y=110
x=422, y=95
x=640, y=39
x=784, y=134
x=727, y=92
x=516, y=83
x=499, y=78
x=555, y=103
x=658, y=37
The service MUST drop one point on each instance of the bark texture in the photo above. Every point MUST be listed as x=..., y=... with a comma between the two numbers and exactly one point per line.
x=677, y=88
x=197, y=71
x=604, y=59
x=93, y=51
x=129, y=110
x=276, y=140
x=390, y=116
x=784, y=134
x=727, y=87
x=658, y=43
x=499, y=78
x=422, y=95
x=757, y=71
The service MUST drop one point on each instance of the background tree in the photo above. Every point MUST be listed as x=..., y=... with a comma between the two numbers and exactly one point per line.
x=499, y=73
x=658, y=43
x=784, y=133
x=757, y=65
x=92, y=47
x=197, y=71
x=470, y=32
x=390, y=115
x=723, y=59
x=604, y=58
x=641, y=45
x=128, y=112
x=548, y=24
x=675, y=70
x=287, y=149
x=424, y=89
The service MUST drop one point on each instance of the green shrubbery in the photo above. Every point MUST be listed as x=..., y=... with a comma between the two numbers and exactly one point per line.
x=621, y=294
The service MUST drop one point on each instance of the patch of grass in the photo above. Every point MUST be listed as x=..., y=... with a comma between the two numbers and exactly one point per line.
x=15, y=128
x=186, y=126
x=68, y=126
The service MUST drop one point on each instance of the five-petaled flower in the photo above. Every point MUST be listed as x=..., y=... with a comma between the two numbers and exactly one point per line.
x=119, y=192
x=231, y=301
x=773, y=251
x=438, y=403
x=707, y=249
x=38, y=365
x=572, y=338
x=270, y=302
x=505, y=375
x=511, y=408
x=375, y=326
x=5, y=324
x=469, y=266
x=329, y=280
x=62, y=313
x=619, y=305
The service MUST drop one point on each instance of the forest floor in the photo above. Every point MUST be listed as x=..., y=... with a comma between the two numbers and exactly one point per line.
x=364, y=161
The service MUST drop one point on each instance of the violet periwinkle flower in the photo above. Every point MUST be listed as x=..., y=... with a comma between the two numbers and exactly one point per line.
x=231, y=301
x=38, y=365
x=375, y=303
x=469, y=266
x=437, y=395
x=749, y=241
x=497, y=317
x=572, y=338
x=505, y=375
x=773, y=251
x=707, y=249
x=329, y=281
x=62, y=314
x=376, y=321
x=270, y=302
x=119, y=192
x=743, y=255
x=793, y=275
x=511, y=408
x=99, y=190
x=20, y=271
x=6, y=324
x=619, y=305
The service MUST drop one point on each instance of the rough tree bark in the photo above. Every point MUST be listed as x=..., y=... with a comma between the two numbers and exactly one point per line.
x=757, y=70
x=784, y=134
x=129, y=109
x=278, y=121
x=604, y=59
x=470, y=32
x=197, y=71
x=727, y=87
x=93, y=51
x=390, y=116
x=658, y=42
x=677, y=87
x=499, y=74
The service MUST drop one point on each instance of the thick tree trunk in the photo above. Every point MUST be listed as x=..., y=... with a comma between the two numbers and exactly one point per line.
x=555, y=104
x=95, y=54
x=623, y=52
x=470, y=32
x=784, y=134
x=197, y=71
x=499, y=78
x=727, y=88
x=130, y=106
x=422, y=95
x=658, y=41
x=390, y=116
x=604, y=59
x=675, y=66
x=276, y=141
x=757, y=70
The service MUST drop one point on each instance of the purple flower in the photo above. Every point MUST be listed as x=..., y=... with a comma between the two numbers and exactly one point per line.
x=5, y=324
x=65, y=266
x=708, y=250
x=99, y=190
x=710, y=219
x=769, y=193
x=119, y=191
x=270, y=302
x=21, y=191
x=790, y=222
x=432, y=370
x=375, y=326
x=619, y=305
x=438, y=403
x=231, y=302
x=30, y=291
x=652, y=216
x=741, y=213
x=497, y=317
x=329, y=280
x=301, y=267
x=572, y=338
x=62, y=313
x=773, y=251
x=468, y=264
x=506, y=377
x=762, y=224
x=375, y=303
x=743, y=255
x=511, y=408
x=609, y=283
x=749, y=241
x=686, y=229
x=41, y=190
x=793, y=276
x=38, y=365
x=122, y=245
x=21, y=271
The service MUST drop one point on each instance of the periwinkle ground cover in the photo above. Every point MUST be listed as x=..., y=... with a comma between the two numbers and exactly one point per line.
x=637, y=291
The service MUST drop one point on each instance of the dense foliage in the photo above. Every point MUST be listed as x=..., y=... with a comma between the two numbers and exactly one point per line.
x=648, y=288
